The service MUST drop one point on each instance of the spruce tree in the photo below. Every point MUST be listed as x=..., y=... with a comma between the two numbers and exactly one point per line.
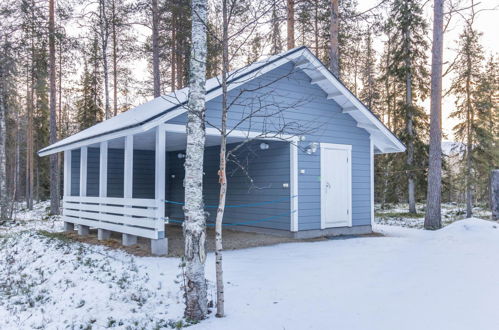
x=408, y=67
x=487, y=127
x=89, y=105
x=464, y=86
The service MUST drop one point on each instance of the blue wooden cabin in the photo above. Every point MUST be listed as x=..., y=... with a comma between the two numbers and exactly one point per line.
x=303, y=156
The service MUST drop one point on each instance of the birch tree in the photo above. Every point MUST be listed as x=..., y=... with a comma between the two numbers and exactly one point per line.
x=433, y=208
x=195, y=219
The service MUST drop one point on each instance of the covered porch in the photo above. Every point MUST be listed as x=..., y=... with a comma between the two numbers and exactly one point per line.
x=133, y=184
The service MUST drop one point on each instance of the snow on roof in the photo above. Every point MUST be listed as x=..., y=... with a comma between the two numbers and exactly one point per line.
x=163, y=108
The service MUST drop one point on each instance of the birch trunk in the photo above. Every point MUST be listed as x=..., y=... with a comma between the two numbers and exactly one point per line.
x=334, y=65
x=4, y=200
x=222, y=172
x=291, y=23
x=433, y=215
x=155, y=49
x=54, y=170
x=195, y=221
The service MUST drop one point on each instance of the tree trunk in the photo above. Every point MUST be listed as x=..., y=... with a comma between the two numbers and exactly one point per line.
x=29, y=135
x=4, y=201
x=411, y=184
x=334, y=64
x=222, y=172
x=115, y=59
x=155, y=49
x=104, y=34
x=316, y=28
x=54, y=168
x=195, y=219
x=469, y=140
x=433, y=200
x=291, y=24
x=173, y=59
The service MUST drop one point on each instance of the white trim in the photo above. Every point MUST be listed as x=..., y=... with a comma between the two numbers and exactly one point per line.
x=160, y=174
x=293, y=191
x=67, y=173
x=128, y=167
x=83, y=171
x=211, y=131
x=103, y=169
x=142, y=202
x=324, y=166
x=371, y=162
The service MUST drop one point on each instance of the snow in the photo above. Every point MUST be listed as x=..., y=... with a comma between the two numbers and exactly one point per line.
x=406, y=279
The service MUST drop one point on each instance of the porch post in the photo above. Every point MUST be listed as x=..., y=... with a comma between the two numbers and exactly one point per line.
x=159, y=246
x=294, y=183
x=371, y=161
x=68, y=226
x=103, y=234
x=128, y=239
x=83, y=230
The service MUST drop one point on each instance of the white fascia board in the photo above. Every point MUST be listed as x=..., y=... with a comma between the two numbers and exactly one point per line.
x=211, y=131
x=354, y=101
x=177, y=99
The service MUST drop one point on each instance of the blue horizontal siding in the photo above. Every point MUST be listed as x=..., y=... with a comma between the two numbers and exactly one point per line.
x=264, y=167
x=285, y=95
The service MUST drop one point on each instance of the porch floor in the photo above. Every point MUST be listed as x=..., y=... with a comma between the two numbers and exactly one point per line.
x=233, y=240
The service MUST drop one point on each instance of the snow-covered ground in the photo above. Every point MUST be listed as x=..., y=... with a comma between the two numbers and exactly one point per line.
x=407, y=279
x=397, y=215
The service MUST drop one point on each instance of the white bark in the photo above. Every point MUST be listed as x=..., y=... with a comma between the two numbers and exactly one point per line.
x=195, y=219
x=222, y=173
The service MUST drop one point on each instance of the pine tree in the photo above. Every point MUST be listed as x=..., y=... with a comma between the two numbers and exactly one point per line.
x=434, y=195
x=408, y=66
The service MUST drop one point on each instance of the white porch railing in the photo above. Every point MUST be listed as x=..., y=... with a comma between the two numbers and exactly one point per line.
x=132, y=216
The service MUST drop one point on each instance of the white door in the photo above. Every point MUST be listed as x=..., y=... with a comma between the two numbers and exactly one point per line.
x=336, y=185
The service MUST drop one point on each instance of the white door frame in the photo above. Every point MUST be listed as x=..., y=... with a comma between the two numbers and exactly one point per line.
x=348, y=148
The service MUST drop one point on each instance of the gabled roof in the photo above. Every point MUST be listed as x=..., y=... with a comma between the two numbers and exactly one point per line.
x=164, y=108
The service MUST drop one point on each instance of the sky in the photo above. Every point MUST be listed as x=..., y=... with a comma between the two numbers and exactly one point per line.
x=486, y=21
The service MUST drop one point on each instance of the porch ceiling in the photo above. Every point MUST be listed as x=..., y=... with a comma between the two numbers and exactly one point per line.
x=174, y=141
